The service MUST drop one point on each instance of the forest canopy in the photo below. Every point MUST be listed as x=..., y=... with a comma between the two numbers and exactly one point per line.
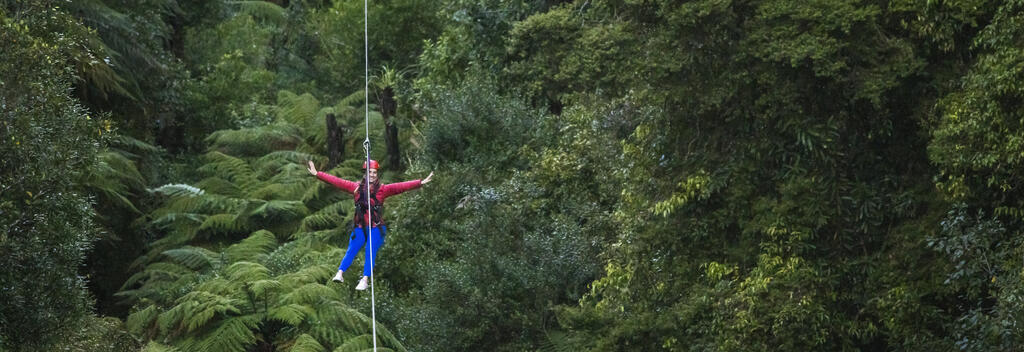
x=705, y=175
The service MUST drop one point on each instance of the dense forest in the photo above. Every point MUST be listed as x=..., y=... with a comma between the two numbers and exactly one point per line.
x=704, y=175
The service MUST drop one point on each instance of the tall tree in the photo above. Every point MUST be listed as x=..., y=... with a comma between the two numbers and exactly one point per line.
x=48, y=140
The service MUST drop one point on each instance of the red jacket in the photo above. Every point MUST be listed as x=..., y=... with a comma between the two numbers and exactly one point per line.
x=382, y=193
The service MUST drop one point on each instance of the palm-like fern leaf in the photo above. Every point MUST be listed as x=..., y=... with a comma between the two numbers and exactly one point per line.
x=233, y=169
x=310, y=294
x=327, y=217
x=217, y=185
x=195, y=309
x=247, y=271
x=306, y=343
x=357, y=344
x=297, y=109
x=259, y=243
x=256, y=141
x=290, y=313
x=140, y=321
x=178, y=190
x=194, y=258
x=232, y=335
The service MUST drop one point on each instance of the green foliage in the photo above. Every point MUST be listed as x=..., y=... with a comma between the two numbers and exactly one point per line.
x=223, y=278
x=771, y=168
x=47, y=141
x=521, y=212
x=478, y=128
x=397, y=30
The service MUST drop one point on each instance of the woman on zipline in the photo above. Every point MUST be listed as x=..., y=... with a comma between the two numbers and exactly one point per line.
x=366, y=220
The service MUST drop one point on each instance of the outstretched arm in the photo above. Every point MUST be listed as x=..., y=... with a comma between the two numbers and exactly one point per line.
x=397, y=188
x=344, y=184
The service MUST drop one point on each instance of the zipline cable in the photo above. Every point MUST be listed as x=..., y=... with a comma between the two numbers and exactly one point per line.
x=366, y=146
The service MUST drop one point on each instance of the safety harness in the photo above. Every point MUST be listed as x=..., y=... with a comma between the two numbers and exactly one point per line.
x=375, y=207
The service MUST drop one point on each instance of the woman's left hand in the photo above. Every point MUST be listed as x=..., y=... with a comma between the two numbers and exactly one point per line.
x=428, y=178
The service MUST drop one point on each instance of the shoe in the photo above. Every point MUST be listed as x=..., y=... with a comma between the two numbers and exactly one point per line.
x=338, y=278
x=363, y=283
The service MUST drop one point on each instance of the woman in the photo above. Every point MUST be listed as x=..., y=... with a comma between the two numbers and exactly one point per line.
x=367, y=220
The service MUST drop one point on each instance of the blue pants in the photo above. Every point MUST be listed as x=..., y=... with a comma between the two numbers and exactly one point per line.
x=356, y=241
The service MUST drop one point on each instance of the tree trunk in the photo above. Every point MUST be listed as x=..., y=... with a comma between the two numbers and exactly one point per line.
x=177, y=42
x=388, y=107
x=335, y=148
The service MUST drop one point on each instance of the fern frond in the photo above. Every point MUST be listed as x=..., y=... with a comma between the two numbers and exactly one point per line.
x=125, y=144
x=338, y=322
x=306, y=343
x=310, y=274
x=161, y=271
x=310, y=294
x=357, y=344
x=195, y=258
x=178, y=190
x=331, y=216
x=234, y=334
x=257, y=141
x=222, y=223
x=355, y=99
x=115, y=177
x=231, y=168
x=297, y=109
x=219, y=286
x=123, y=169
x=247, y=271
x=142, y=320
x=290, y=313
x=258, y=243
x=273, y=190
x=217, y=185
x=262, y=288
x=280, y=209
x=287, y=162
x=194, y=310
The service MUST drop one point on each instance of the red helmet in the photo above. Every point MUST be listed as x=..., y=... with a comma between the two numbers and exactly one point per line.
x=373, y=164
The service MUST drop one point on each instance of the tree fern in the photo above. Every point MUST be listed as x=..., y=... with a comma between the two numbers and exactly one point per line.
x=115, y=177
x=299, y=110
x=232, y=335
x=357, y=344
x=262, y=288
x=161, y=271
x=247, y=271
x=309, y=294
x=327, y=217
x=306, y=343
x=177, y=190
x=220, y=279
x=259, y=243
x=256, y=141
x=222, y=223
x=221, y=186
x=141, y=321
x=194, y=258
x=195, y=310
x=231, y=168
x=293, y=314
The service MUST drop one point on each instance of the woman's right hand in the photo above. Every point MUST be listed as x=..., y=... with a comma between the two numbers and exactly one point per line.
x=312, y=168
